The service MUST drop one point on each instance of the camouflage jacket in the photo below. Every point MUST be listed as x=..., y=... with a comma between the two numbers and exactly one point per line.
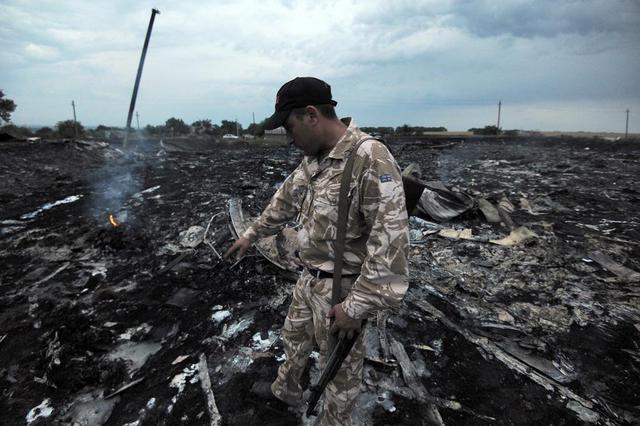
x=377, y=240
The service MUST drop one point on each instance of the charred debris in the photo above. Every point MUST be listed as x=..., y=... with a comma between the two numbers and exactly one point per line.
x=116, y=307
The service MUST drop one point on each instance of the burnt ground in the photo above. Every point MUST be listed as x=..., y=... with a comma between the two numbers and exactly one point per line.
x=87, y=307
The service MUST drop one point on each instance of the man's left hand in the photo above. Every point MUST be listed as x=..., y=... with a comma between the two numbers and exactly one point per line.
x=343, y=324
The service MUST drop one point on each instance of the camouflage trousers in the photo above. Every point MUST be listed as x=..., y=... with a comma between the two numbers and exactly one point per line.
x=307, y=322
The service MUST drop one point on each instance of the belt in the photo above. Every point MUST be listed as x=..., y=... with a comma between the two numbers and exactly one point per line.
x=324, y=274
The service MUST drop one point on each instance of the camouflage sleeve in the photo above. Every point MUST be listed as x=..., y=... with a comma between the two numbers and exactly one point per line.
x=383, y=279
x=283, y=207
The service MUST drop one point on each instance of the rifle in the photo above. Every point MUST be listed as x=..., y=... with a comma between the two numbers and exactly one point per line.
x=340, y=352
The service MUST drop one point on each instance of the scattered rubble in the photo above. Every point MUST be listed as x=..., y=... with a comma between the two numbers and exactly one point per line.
x=118, y=309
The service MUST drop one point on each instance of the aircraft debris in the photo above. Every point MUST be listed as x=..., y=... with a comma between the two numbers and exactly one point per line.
x=612, y=266
x=205, y=382
x=124, y=388
x=547, y=328
x=41, y=410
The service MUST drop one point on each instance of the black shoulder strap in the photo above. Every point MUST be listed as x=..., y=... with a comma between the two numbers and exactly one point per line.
x=343, y=213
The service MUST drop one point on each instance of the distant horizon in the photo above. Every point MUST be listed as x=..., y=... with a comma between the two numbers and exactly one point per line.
x=506, y=112
x=93, y=127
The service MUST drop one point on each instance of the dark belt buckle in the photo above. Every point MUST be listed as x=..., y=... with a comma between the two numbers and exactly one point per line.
x=319, y=274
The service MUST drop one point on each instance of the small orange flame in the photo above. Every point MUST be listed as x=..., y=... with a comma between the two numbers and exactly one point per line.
x=113, y=221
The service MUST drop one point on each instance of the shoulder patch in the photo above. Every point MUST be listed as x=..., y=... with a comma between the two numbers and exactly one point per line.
x=385, y=178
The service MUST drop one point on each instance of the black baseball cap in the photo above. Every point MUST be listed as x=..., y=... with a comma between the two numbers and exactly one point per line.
x=297, y=93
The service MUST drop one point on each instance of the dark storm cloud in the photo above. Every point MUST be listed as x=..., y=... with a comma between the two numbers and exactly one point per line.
x=547, y=18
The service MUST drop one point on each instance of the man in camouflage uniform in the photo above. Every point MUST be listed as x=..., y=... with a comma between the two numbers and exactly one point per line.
x=376, y=246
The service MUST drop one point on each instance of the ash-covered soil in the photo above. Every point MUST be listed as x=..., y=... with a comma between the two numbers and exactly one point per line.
x=543, y=332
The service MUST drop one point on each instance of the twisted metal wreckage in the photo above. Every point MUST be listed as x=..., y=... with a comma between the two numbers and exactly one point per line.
x=523, y=306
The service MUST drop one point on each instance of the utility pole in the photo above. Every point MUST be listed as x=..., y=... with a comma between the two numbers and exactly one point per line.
x=499, y=108
x=138, y=119
x=134, y=95
x=75, y=122
x=626, y=127
x=254, y=118
x=237, y=128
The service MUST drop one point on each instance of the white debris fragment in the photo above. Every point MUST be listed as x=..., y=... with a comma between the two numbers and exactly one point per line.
x=138, y=196
x=517, y=236
x=237, y=327
x=423, y=347
x=179, y=359
x=48, y=206
x=585, y=414
x=151, y=404
x=505, y=316
x=281, y=358
x=242, y=361
x=149, y=190
x=262, y=345
x=135, y=355
x=437, y=346
x=140, y=330
x=205, y=384
x=457, y=234
x=220, y=316
x=11, y=222
x=192, y=237
x=180, y=380
x=42, y=410
x=98, y=268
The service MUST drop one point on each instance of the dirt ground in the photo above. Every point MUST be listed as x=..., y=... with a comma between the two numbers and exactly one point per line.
x=542, y=332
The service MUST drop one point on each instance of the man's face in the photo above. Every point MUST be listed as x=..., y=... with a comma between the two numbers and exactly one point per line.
x=300, y=133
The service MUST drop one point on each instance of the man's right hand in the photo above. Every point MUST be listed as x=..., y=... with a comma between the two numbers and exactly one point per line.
x=241, y=246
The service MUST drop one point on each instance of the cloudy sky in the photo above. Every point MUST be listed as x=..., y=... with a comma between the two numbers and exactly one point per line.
x=555, y=65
